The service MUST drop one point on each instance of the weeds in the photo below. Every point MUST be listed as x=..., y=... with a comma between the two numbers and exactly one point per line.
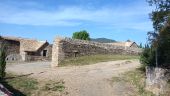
x=54, y=86
x=135, y=78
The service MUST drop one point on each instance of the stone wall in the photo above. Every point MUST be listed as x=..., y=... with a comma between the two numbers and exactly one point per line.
x=30, y=58
x=156, y=80
x=66, y=48
x=49, y=51
x=12, y=47
x=13, y=58
x=12, y=50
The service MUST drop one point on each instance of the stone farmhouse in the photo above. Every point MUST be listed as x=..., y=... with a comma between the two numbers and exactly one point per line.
x=21, y=49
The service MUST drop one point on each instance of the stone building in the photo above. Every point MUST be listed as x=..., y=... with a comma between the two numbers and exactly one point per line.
x=64, y=48
x=21, y=49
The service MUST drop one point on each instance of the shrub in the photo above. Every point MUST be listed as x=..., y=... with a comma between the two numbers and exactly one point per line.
x=147, y=57
x=2, y=61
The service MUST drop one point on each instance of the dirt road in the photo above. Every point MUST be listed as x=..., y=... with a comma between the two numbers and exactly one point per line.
x=88, y=80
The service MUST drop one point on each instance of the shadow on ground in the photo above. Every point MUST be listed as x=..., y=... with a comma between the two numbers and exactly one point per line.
x=10, y=88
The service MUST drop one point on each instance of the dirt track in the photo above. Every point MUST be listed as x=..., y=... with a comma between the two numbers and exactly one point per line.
x=88, y=80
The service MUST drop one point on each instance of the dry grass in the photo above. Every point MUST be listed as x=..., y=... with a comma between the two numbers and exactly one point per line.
x=92, y=59
x=22, y=85
x=136, y=79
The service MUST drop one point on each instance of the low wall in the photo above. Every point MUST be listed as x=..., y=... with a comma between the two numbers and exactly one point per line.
x=66, y=48
x=30, y=58
x=13, y=58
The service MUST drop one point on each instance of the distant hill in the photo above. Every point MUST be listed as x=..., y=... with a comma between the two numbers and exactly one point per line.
x=102, y=40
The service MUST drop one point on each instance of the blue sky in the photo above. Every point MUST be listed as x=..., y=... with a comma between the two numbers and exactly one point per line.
x=45, y=19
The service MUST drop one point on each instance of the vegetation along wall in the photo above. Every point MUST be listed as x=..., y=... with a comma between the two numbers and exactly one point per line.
x=66, y=48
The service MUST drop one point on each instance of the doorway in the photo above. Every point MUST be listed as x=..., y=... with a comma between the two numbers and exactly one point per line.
x=44, y=53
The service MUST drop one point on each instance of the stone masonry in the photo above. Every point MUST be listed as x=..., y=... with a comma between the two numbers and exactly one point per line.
x=66, y=48
x=156, y=80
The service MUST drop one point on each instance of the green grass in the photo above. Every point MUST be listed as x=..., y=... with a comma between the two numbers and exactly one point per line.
x=135, y=78
x=54, y=86
x=91, y=59
x=20, y=85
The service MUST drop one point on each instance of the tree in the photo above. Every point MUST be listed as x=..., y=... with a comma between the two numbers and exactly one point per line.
x=160, y=37
x=2, y=59
x=161, y=13
x=82, y=35
x=140, y=46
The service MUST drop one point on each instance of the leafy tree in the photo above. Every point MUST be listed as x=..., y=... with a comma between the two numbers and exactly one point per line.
x=82, y=35
x=159, y=38
x=2, y=59
x=164, y=47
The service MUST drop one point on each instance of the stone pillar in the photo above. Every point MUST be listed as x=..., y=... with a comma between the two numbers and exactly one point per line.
x=156, y=80
x=23, y=55
x=57, y=54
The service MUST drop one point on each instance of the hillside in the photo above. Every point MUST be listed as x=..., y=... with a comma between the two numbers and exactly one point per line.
x=103, y=40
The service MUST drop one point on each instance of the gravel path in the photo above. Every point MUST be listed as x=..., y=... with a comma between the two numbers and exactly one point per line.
x=88, y=80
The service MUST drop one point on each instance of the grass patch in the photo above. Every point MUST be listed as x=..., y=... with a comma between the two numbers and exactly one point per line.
x=54, y=86
x=135, y=78
x=91, y=59
x=20, y=85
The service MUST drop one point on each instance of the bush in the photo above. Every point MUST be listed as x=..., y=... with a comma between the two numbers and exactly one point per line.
x=147, y=57
x=2, y=61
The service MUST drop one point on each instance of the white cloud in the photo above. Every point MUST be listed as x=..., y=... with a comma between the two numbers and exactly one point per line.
x=131, y=17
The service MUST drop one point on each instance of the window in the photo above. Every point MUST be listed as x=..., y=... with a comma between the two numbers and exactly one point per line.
x=44, y=53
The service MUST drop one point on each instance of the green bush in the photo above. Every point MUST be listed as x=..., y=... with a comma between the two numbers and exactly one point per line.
x=2, y=61
x=147, y=57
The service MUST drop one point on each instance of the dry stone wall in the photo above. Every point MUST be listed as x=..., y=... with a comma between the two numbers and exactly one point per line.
x=66, y=48
x=157, y=80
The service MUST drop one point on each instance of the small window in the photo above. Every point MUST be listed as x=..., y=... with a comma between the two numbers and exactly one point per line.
x=44, y=53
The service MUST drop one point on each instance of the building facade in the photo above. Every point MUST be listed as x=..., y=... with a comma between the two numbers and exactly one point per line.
x=21, y=49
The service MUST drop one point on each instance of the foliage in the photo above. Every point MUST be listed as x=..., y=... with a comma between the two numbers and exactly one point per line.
x=82, y=35
x=140, y=46
x=164, y=47
x=2, y=60
x=161, y=13
x=147, y=57
x=160, y=38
